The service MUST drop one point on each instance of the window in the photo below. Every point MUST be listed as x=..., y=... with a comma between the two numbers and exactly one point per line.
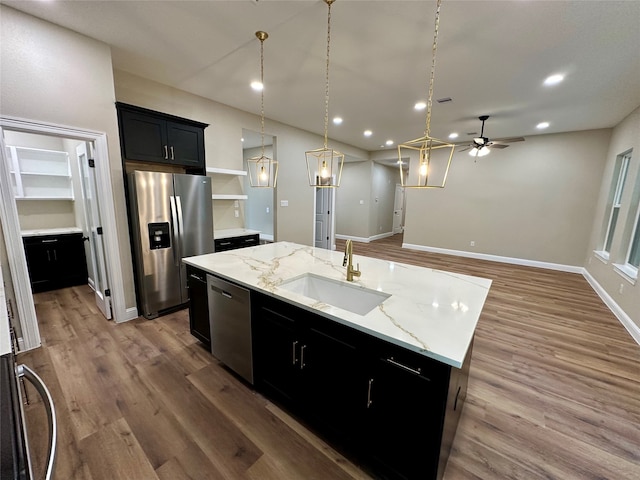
x=633, y=258
x=622, y=165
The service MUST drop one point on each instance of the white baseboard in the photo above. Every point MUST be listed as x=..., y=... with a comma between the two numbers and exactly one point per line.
x=364, y=239
x=497, y=258
x=625, y=320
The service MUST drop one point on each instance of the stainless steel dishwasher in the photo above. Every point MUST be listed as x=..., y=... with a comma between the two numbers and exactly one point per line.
x=230, y=320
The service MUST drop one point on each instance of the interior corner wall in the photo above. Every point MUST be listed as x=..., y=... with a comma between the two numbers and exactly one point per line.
x=259, y=208
x=625, y=136
x=532, y=201
x=53, y=75
x=223, y=148
x=353, y=200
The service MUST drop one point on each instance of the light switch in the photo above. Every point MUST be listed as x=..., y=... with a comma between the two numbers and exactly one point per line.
x=237, y=213
x=284, y=203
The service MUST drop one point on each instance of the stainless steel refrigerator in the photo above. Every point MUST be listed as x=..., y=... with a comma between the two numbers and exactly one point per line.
x=171, y=218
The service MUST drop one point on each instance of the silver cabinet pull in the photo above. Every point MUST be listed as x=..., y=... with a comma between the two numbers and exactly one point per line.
x=48, y=256
x=166, y=153
x=55, y=256
x=36, y=381
x=51, y=240
x=369, y=401
x=172, y=157
x=409, y=369
x=294, y=359
x=302, y=356
x=193, y=275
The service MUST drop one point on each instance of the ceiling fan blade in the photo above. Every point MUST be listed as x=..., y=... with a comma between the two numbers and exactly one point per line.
x=509, y=140
x=464, y=149
x=498, y=145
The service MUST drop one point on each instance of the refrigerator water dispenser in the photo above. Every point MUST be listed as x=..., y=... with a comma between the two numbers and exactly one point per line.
x=159, y=235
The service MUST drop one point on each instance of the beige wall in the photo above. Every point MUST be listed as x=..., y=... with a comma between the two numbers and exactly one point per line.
x=260, y=199
x=53, y=75
x=224, y=149
x=625, y=136
x=352, y=217
x=533, y=201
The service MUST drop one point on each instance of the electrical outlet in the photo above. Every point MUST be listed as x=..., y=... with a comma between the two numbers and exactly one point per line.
x=236, y=213
x=236, y=204
x=621, y=289
x=472, y=243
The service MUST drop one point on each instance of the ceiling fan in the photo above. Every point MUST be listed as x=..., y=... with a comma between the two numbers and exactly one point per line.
x=481, y=145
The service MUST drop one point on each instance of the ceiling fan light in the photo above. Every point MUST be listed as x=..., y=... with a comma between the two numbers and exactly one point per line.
x=483, y=151
x=473, y=152
x=479, y=140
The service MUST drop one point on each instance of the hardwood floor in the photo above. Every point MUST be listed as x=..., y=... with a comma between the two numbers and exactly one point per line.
x=554, y=391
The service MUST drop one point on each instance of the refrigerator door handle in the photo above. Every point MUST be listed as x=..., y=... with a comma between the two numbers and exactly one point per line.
x=180, y=224
x=176, y=234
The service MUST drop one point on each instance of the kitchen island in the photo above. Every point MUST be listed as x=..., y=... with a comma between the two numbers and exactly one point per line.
x=380, y=365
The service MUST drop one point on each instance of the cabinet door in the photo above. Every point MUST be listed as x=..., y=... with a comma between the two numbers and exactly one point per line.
x=39, y=265
x=144, y=137
x=198, y=306
x=186, y=144
x=277, y=351
x=69, y=260
x=404, y=419
x=335, y=384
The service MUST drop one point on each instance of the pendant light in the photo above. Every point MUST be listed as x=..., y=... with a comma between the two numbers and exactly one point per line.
x=422, y=166
x=263, y=171
x=324, y=165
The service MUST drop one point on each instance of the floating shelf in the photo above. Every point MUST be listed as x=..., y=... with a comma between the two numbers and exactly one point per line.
x=226, y=171
x=220, y=196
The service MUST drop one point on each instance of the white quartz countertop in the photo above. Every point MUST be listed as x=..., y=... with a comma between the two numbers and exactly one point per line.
x=50, y=231
x=233, y=232
x=431, y=312
x=5, y=336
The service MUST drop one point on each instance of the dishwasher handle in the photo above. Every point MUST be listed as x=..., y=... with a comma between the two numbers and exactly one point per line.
x=24, y=371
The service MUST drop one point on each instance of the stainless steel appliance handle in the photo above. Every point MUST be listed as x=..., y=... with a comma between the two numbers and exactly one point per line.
x=36, y=381
x=174, y=221
x=180, y=223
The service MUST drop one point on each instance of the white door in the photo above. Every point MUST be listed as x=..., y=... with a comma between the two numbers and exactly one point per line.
x=94, y=246
x=323, y=218
x=398, y=210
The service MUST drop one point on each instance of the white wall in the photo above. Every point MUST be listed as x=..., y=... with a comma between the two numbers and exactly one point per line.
x=534, y=200
x=625, y=136
x=223, y=148
x=260, y=199
x=53, y=75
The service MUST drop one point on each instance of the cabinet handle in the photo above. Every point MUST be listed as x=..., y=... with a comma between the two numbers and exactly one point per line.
x=409, y=369
x=224, y=244
x=193, y=275
x=455, y=404
x=55, y=256
x=293, y=353
x=369, y=401
x=52, y=240
x=166, y=153
x=302, y=356
x=48, y=256
x=172, y=157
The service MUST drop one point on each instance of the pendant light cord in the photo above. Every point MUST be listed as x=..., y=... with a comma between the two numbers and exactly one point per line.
x=262, y=39
x=427, y=130
x=326, y=91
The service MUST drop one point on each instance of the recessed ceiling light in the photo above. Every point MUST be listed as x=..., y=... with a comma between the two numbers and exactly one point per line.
x=420, y=106
x=337, y=120
x=453, y=135
x=368, y=133
x=389, y=142
x=554, y=79
x=542, y=125
x=256, y=85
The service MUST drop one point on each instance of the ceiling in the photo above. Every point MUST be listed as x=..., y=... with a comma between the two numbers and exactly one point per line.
x=492, y=58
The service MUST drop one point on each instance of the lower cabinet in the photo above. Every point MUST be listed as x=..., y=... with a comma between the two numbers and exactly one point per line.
x=231, y=243
x=395, y=409
x=55, y=261
x=198, y=305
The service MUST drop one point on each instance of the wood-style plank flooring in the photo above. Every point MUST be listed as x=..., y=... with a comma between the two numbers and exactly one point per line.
x=554, y=391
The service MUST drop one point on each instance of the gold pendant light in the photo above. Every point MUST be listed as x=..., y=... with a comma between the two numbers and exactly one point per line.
x=324, y=165
x=263, y=171
x=424, y=170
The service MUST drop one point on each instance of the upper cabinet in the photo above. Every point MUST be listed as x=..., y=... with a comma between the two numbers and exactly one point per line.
x=38, y=174
x=149, y=136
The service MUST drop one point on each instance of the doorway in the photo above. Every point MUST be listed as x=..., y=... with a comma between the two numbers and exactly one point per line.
x=324, y=219
x=48, y=184
x=398, y=209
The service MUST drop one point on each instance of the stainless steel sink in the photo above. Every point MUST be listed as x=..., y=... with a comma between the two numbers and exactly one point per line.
x=339, y=294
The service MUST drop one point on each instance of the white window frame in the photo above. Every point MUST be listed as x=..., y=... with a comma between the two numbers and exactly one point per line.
x=615, y=206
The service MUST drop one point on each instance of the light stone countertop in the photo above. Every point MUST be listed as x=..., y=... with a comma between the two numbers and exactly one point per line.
x=50, y=231
x=233, y=232
x=431, y=312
